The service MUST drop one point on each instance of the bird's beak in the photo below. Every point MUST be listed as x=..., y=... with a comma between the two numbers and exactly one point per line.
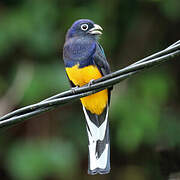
x=96, y=30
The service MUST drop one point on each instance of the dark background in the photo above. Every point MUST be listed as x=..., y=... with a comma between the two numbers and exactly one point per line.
x=145, y=110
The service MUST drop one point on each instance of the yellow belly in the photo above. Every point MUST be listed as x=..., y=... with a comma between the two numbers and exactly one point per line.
x=95, y=103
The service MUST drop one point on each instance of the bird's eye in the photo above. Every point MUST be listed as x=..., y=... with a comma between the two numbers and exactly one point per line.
x=84, y=27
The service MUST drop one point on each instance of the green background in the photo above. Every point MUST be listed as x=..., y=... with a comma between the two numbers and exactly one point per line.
x=144, y=114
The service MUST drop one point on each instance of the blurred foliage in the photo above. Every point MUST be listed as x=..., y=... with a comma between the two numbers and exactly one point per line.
x=144, y=112
x=27, y=25
x=41, y=159
x=44, y=78
x=140, y=110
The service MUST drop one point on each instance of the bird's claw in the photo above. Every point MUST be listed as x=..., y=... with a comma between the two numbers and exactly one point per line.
x=91, y=82
x=74, y=89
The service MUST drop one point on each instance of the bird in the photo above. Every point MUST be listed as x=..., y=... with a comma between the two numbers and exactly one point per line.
x=85, y=61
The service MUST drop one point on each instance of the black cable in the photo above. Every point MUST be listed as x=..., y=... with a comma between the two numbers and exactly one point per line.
x=97, y=85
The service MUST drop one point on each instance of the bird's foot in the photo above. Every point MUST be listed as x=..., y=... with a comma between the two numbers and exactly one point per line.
x=74, y=89
x=91, y=82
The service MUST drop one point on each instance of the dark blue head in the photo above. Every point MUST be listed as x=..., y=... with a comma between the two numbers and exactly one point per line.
x=84, y=27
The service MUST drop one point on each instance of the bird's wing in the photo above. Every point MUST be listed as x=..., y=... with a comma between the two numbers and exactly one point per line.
x=102, y=64
x=101, y=61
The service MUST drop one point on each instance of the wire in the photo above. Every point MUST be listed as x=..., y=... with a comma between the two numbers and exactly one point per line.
x=107, y=81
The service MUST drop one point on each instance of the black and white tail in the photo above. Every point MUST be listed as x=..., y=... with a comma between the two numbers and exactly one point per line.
x=99, y=142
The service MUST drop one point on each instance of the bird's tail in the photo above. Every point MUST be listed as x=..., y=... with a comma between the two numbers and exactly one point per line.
x=99, y=142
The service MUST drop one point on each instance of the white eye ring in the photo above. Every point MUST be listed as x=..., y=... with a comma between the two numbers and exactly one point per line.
x=84, y=27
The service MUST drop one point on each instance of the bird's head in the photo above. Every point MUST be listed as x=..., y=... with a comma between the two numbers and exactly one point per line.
x=84, y=27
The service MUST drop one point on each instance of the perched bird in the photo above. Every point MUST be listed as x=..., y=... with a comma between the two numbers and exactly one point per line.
x=85, y=61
